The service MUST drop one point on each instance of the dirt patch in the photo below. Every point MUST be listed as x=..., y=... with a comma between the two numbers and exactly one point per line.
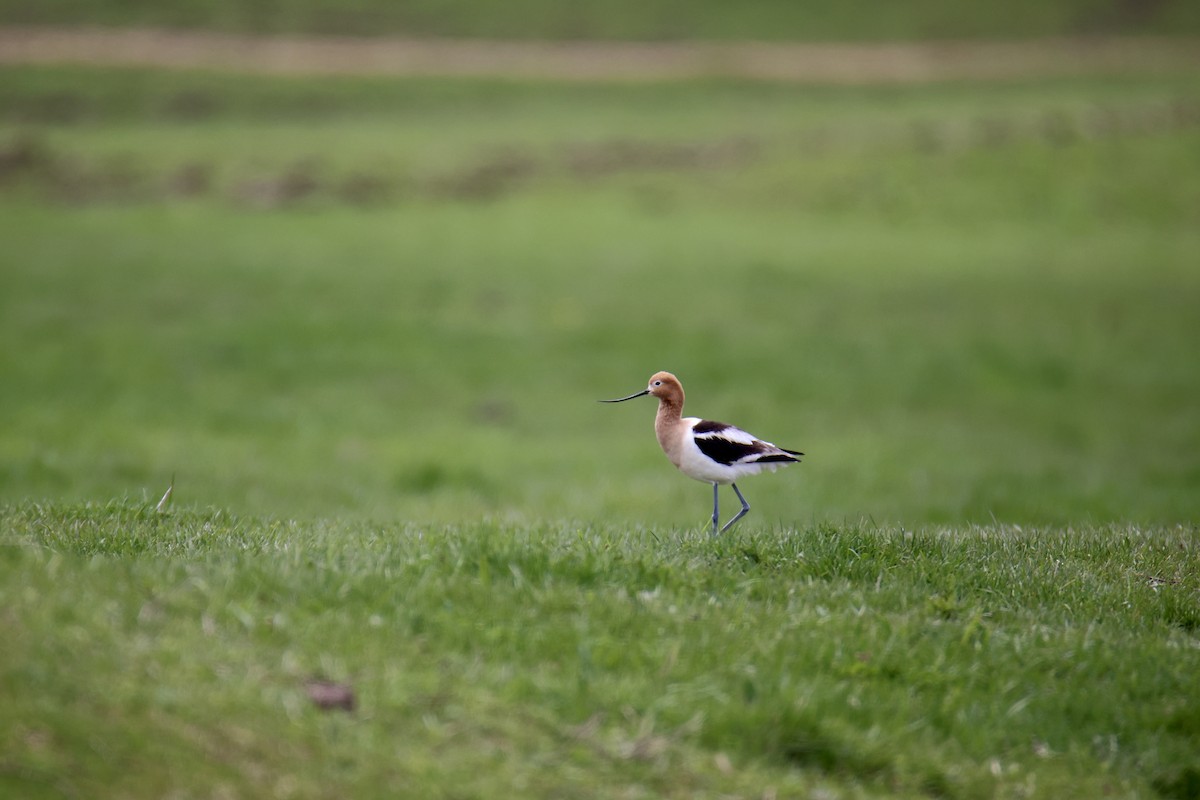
x=816, y=63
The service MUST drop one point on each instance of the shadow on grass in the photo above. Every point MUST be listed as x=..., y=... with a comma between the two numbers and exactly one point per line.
x=803, y=742
x=1181, y=785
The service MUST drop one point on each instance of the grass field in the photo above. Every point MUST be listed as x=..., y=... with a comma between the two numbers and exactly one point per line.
x=770, y=20
x=364, y=323
x=149, y=655
x=402, y=299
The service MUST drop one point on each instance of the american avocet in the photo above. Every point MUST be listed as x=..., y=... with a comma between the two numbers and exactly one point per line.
x=708, y=451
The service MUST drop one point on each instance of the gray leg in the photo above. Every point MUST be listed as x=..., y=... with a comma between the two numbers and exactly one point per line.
x=714, y=516
x=740, y=514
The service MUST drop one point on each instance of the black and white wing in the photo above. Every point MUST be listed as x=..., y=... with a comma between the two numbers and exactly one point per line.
x=730, y=445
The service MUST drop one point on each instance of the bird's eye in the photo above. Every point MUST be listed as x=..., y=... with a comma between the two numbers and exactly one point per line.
x=658, y=383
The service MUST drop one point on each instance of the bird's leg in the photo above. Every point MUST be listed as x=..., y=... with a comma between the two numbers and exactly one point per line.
x=715, y=518
x=740, y=514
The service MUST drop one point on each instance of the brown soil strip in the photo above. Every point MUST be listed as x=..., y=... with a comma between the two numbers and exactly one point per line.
x=815, y=63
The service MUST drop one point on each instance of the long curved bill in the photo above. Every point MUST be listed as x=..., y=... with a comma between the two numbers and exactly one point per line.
x=623, y=399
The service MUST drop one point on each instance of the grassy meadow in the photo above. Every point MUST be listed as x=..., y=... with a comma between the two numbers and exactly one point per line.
x=362, y=325
x=650, y=20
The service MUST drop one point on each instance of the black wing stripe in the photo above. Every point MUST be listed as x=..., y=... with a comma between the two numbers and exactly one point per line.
x=787, y=459
x=724, y=451
x=708, y=426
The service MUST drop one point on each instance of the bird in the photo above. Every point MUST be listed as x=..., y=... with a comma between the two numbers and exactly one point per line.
x=705, y=450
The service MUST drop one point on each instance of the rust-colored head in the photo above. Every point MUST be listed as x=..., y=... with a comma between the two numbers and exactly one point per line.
x=666, y=386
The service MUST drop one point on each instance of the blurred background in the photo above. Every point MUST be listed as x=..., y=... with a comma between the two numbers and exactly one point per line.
x=317, y=258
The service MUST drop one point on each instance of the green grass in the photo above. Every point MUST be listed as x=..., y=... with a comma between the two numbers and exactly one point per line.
x=965, y=303
x=364, y=324
x=624, y=19
x=151, y=654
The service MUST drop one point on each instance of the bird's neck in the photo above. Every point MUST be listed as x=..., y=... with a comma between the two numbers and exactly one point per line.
x=666, y=427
